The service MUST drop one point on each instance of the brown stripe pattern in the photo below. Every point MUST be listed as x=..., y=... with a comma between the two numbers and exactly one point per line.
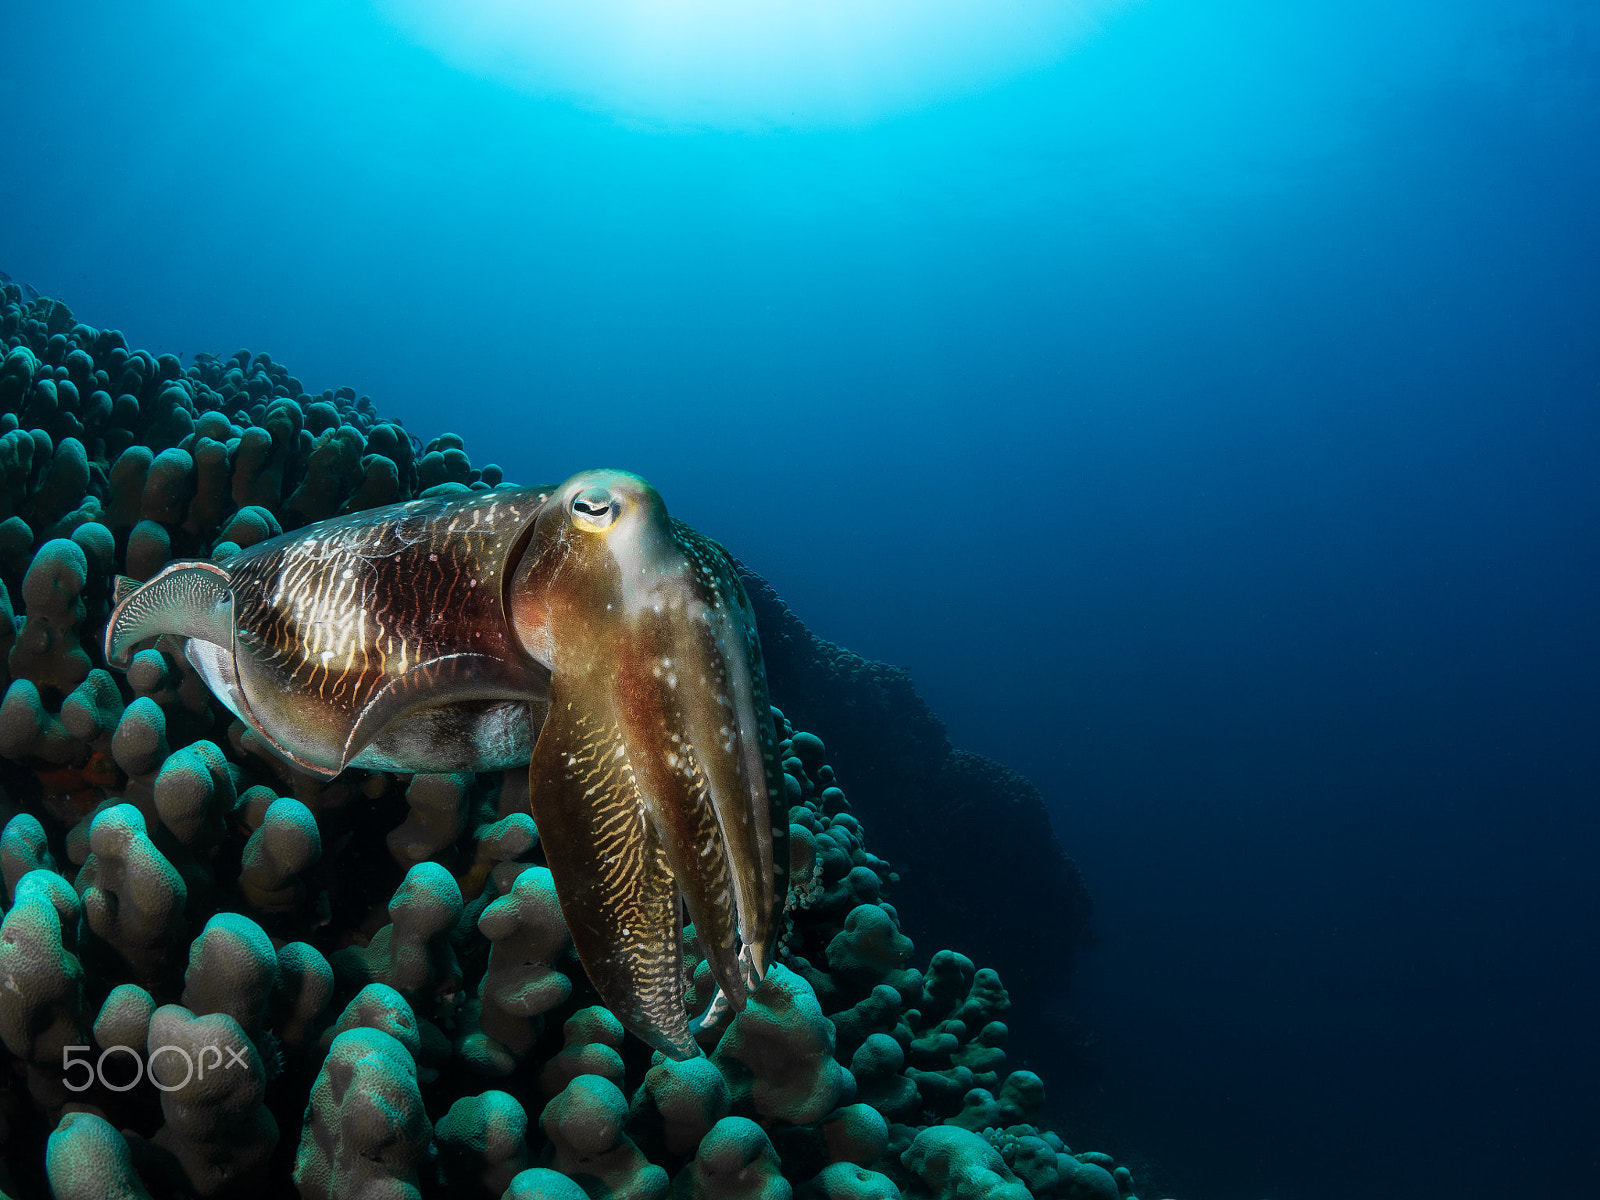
x=352, y=604
x=616, y=886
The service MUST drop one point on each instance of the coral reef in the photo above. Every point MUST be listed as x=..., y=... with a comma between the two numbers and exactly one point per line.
x=224, y=978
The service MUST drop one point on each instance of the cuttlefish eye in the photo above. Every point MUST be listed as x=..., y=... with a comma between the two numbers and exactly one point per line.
x=594, y=508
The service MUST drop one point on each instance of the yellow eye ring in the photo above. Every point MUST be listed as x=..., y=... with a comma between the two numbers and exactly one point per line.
x=594, y=509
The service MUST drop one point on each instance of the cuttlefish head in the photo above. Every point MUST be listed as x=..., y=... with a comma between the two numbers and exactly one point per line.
x=655, y=776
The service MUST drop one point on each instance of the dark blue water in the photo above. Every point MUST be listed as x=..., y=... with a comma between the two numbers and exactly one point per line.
x=1210, y=421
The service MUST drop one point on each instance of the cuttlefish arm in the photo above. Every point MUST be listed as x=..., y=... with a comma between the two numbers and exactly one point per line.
x=656, y=771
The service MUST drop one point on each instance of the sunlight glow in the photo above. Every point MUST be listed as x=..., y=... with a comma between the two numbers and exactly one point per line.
x=749, y=64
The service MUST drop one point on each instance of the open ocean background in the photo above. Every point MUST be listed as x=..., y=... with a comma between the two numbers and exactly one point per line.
x=1206, y=411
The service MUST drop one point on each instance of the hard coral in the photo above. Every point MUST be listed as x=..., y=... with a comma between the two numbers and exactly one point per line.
x=368, y=950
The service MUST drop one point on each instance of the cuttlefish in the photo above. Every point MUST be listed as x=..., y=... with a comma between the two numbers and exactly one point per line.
x=578, y=629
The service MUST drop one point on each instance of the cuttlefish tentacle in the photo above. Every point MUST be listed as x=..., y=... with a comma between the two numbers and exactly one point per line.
x=734, y=715
x=675, y=795
x=617, y=889
x=579, y=627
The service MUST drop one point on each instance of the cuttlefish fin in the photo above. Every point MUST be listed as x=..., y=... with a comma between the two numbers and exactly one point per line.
x=218, y=664
x=190, y=599
x=193, y=600
x=617, y=890
x=448, y=679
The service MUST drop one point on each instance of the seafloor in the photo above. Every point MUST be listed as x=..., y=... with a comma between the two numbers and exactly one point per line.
x=221, y=978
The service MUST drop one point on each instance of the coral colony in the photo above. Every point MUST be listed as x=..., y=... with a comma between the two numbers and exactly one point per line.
x=223, y=977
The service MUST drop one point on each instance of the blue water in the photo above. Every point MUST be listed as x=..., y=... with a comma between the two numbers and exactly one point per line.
x=1209, y=419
